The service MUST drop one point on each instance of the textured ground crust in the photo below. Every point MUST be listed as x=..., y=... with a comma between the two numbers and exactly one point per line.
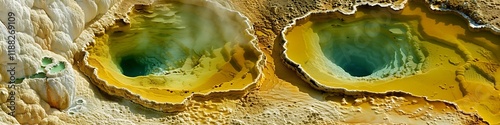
x=280, y=97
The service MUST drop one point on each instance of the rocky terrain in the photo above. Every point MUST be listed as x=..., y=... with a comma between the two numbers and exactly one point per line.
x=60, y=30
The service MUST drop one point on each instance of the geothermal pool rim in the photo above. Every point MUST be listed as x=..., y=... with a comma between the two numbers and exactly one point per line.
x=471, y=25
x=298, y=68
x=392, y=7
x=169, y=106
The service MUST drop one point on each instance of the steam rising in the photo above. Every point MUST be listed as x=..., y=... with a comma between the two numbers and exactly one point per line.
x=166, y=36
x=373, y=49
x=171, y=51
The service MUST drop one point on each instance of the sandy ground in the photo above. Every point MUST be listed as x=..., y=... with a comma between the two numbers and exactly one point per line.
x=281, y=97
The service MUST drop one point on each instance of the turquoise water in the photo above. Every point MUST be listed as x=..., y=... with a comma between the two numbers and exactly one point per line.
x=58, y=67
x=365, y=47
x=138, y=65
x=46, y=61
x=165, y=39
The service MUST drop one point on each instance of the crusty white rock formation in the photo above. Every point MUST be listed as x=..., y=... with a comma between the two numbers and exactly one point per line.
x=43, y=28
x=56, y=88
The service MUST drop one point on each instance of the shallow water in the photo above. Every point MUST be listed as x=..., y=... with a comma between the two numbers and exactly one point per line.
x=163, y=40
x=38, y=75
x=58, y=67
x=46, y=61
x=369, y=48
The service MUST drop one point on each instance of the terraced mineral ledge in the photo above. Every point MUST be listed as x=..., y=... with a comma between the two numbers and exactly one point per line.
x=172, y=50
x=412, y=50
x=49, y=82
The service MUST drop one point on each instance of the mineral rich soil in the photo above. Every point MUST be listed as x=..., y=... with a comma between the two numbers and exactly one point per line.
x=280, y=97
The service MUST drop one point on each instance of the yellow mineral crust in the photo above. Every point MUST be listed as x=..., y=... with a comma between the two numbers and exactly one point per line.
x=448, y=61
x=279, y=96
x=171, y=51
